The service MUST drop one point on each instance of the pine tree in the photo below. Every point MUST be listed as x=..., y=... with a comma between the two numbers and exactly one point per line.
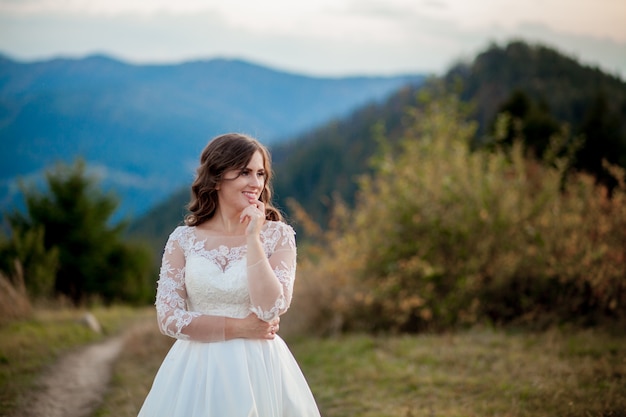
x=75, y=217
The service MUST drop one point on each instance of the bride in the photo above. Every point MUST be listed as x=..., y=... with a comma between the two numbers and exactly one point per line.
x=226, y=277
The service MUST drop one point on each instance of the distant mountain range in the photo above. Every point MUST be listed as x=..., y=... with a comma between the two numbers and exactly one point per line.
x=141, y=127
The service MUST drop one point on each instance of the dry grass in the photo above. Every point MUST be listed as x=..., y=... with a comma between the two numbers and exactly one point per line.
x=475, y=373
x=14, y=302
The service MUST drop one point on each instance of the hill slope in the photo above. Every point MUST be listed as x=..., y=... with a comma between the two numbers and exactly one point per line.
x=141, y=128
x=546, y=89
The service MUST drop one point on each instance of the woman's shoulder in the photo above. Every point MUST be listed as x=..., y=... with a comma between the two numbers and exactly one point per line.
x=278, y=234
x=283, y=228
x=180, y=232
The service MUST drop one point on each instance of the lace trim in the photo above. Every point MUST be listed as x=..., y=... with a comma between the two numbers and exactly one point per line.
x=276, y=234
x=285, y=274
x=280, y=235
x=272, y=313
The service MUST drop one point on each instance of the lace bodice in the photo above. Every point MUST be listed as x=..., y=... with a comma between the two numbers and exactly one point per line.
x=204, y=278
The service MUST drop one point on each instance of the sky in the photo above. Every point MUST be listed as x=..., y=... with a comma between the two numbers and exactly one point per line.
x=313, y=37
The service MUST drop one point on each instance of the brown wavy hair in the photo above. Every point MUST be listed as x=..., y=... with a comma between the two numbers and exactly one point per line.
x=224, y=153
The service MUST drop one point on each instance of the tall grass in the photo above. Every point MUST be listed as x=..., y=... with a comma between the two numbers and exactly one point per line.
x=14, y=301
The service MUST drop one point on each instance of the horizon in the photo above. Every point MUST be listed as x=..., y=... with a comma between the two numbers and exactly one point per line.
x=113, y=57
x=272, y=67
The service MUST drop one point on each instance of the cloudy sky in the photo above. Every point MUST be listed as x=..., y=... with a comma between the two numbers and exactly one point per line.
x=316, y=37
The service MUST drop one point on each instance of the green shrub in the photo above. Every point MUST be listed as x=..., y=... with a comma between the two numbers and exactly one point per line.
x=26, y=261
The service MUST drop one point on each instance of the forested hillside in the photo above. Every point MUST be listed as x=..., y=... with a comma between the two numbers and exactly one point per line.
x=546, y=90
x=554, y=90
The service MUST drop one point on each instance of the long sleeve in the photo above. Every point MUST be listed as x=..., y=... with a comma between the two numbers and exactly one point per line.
x=271, y=280
x=174, y=319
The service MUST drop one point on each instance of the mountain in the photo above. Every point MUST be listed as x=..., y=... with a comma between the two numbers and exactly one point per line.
x=140, y=128
x=546, y=89
x=314, y=166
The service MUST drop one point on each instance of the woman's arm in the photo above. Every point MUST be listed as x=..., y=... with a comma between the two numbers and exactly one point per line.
x=270, y=280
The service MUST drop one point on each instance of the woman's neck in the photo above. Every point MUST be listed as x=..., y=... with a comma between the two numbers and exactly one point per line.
x=224, y=223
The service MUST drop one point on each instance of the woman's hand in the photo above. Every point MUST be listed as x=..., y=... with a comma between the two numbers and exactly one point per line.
x=252, y=327
x=254, y=216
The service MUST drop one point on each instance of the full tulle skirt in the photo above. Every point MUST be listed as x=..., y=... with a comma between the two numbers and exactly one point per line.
x=234, y=378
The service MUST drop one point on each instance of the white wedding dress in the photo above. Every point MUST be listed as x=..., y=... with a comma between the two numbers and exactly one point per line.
x=203, y=279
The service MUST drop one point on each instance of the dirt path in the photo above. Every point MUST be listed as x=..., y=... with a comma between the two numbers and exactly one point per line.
x=75, y=385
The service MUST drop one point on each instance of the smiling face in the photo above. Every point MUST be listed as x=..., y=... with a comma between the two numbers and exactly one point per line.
x=240, y=187
x=231, y=168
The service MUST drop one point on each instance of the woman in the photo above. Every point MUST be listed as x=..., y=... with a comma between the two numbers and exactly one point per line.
x=226, y=277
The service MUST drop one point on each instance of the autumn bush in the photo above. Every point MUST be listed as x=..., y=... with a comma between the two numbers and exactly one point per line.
x=445, y=235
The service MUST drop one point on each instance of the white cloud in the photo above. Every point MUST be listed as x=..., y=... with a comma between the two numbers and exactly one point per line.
x=101, y=7
x=597, y=18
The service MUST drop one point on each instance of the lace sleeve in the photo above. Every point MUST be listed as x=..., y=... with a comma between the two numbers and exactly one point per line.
x=174, y=319
x=280, y=244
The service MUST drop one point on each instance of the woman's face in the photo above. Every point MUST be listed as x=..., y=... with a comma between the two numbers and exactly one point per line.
x=239, y=186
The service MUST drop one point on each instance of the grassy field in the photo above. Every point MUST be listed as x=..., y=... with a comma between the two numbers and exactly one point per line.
x=481, y=372
x=28, y=346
